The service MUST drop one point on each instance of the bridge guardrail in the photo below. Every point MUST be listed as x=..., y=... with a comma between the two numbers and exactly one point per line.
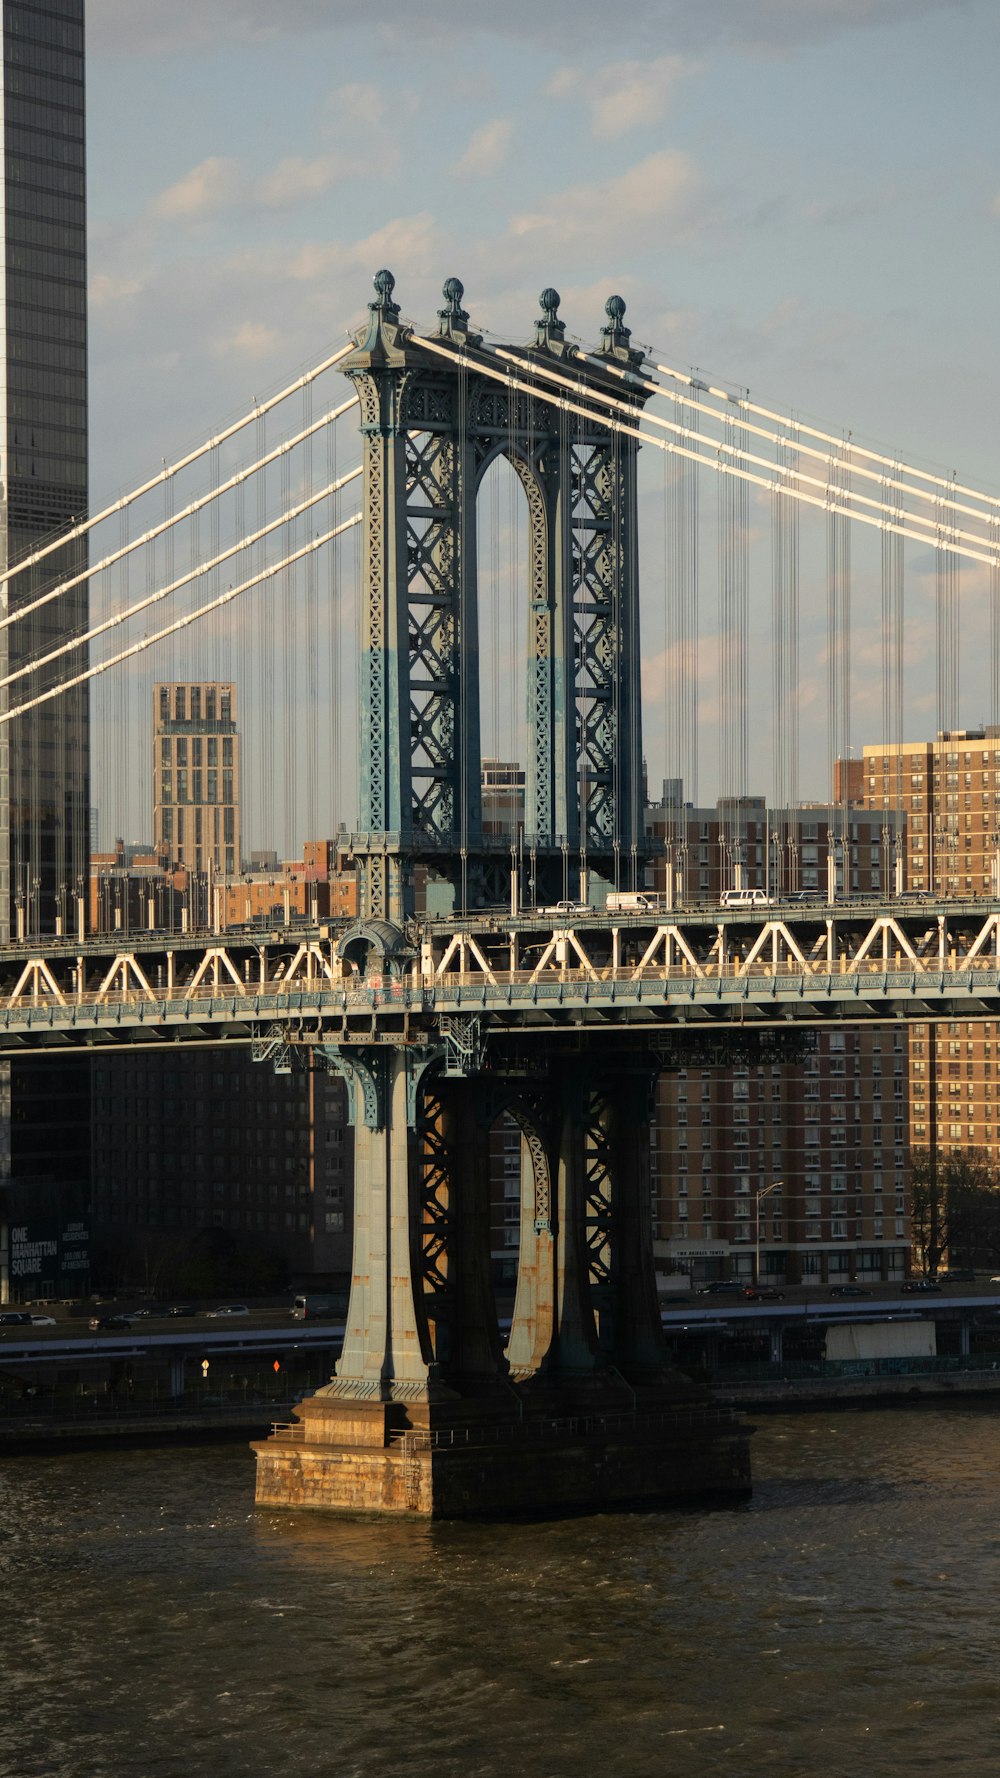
x=508, y=989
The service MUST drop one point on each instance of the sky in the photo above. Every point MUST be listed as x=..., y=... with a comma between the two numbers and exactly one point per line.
x=799, y=197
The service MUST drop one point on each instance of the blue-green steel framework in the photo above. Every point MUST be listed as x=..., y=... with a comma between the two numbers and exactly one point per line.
x=431, y=428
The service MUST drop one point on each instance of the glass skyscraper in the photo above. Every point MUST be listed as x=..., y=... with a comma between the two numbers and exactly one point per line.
x=44, y=794
x=44, y=768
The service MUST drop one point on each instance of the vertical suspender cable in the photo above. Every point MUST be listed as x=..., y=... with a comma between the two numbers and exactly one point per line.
x=892, y=699
x=733, y=646
x=680, y=642
x=785, y=680
x=946, y=625
x=311, y=566
x=838, y=592
x=995, y=627
x=462, y=594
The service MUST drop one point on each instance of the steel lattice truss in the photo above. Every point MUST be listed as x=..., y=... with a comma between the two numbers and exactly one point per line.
x=533, y=974
x=431, y=426
x=435, y=1177
x=598, y=1171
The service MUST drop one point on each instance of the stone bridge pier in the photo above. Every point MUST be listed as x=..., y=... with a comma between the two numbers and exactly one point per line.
x=431, y=1410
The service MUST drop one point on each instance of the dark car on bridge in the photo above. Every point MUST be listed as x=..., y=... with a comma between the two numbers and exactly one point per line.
x=763, y=1293
x=915, y=1285
x=849, y=1290
x=98, y=1322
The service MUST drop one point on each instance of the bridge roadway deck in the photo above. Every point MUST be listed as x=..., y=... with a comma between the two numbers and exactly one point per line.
x=545, y=972
x=53, y=1345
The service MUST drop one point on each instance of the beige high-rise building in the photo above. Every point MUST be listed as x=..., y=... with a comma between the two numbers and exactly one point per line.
x=949, y=790
x=196, y=776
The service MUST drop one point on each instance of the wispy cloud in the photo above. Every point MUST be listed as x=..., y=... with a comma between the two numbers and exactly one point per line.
x=664, y=190
x=106, y=290
x=210, y=187
x=252, y=340
x=146, y=27
x=623, y=96
x=294, y=180
x=487, y=149
x=216, y=186
x=357, y=103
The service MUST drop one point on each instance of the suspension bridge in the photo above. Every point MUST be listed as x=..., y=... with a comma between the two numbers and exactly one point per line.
x=363, y=609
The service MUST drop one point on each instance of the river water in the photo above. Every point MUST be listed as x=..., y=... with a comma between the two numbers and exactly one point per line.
x=842, y=1625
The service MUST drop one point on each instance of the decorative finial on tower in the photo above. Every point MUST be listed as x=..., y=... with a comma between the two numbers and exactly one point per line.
x=615, y=336
x=385, y=284
x=549, y=328
x=453, y=318
x=615, y=332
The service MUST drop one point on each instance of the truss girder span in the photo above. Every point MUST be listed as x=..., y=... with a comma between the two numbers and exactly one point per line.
x=530, y=974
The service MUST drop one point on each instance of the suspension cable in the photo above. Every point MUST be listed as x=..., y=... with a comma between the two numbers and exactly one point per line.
x=725, y=447
x=202, y=568
x=173, y=518
x=600, y=408
x=828, y=458
x=937, y=481
x=172, y=469
x=180, y=623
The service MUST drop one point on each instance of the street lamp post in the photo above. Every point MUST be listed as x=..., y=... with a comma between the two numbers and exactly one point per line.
x=765, y=1192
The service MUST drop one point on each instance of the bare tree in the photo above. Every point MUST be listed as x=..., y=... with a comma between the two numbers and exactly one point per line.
x=954, y=1208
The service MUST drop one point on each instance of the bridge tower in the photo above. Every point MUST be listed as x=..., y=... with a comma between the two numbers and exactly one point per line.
x=429, y=1410
x=432, y=422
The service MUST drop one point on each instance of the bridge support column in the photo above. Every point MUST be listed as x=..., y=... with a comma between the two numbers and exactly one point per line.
x=639, y=1349
x=421, y=1371
x=531, y=1344
x=386, y=1347
x=424, y=1413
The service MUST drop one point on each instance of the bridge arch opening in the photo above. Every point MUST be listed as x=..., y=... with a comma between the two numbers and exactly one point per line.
x=504, y=530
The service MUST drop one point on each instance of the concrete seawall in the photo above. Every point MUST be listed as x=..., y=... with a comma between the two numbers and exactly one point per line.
x=785, y=1393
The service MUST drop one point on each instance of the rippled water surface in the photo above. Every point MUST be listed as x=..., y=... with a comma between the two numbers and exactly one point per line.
x=844, y=1625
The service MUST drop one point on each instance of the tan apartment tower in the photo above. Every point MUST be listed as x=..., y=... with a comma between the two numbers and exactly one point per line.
x=196, y=776
x=949, y=792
